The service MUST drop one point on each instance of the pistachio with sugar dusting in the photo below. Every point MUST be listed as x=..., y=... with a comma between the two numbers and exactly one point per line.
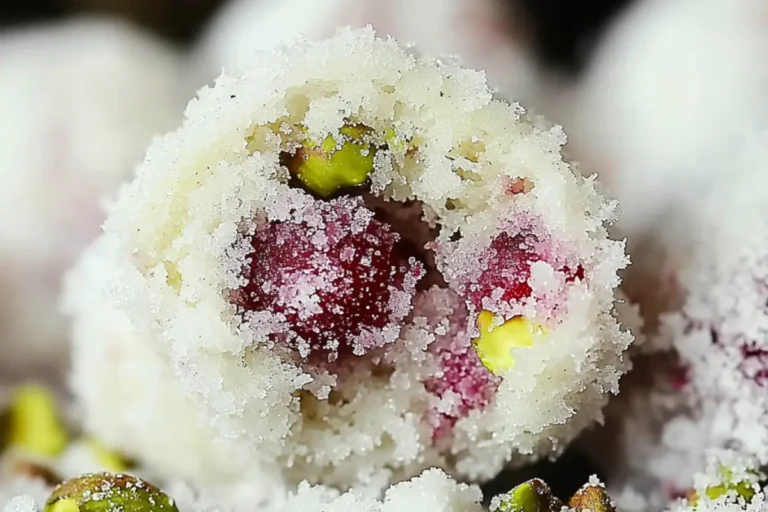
x=531, y=496
x=334, y=165
x=743, y=488
x=106, y=492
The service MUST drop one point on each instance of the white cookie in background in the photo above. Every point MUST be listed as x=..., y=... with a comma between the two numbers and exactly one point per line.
x=80, y=100
x=669, y=113
x=708, y=388
x=478, y=31
x=667, y=95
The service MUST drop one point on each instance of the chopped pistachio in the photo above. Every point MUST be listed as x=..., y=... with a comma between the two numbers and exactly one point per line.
x=531, y=496
x=496, y=341
x=333, y=165
x=34, y=424
x=105, y=492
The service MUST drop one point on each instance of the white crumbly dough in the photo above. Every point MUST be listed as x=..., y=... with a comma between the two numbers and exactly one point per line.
x=176, y=243
x=154, y=421
x=80, y=100
x=432, y=491
x=476, y=31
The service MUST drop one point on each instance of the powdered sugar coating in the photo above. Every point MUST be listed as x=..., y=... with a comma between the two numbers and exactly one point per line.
x=664, y=113
x=22, y=494
x=433, y=490
x=722, y=328
x=174, y=250
x=724, y=483
x=148, y=405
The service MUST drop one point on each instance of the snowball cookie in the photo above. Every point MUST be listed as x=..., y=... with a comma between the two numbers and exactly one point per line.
x=705, y=385
x=721, y=330
x=356, y=265
x=80, y=101
x=663, y=114
x=155, y=423
x=482, y=33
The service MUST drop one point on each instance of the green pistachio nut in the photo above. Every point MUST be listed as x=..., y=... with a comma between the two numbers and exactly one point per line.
x=531, y=496
x=333, y=165
x=592, y=498
x=33, y=423
x=106, y=492
x=744, y=489
x=394, y=142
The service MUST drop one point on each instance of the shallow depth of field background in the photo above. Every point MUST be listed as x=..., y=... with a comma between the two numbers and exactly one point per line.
x=564, y=31
x=53, y=209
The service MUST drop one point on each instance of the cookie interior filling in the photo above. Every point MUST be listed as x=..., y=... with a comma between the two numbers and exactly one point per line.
x=353, y=279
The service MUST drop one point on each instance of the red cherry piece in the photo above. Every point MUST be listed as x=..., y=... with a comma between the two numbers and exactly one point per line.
x=470, y=384
x=508, y=267
x=337, y=280
x=462, y=381
x=507, y=263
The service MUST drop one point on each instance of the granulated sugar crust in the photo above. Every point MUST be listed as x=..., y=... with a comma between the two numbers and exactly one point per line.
x=176, y=243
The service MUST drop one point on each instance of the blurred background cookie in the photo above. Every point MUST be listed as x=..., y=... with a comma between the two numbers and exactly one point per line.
x=80, y=100
x=564, y=32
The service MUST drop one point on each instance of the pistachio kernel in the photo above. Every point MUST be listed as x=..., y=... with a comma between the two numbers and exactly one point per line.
x=531, y=496
x=34, y=424
x=743, y=489
x=592, y=498
x=331, y=166
x=106, y=492
x=394, y=142
x=494, y=345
